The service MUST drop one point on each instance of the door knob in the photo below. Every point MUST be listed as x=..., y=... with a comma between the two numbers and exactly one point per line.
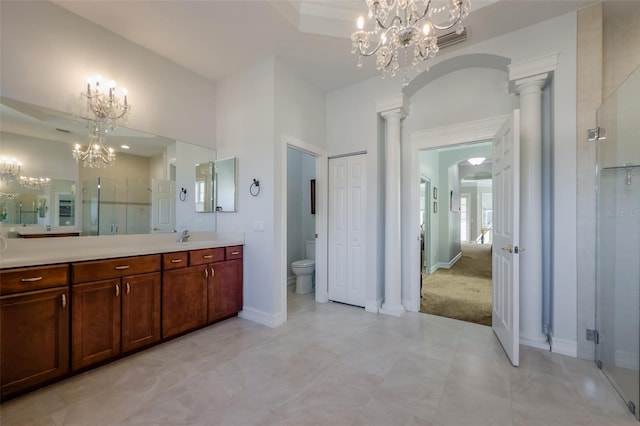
x=509, y=249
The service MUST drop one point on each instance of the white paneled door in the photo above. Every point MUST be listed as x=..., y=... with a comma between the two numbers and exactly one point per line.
x=506, y=234
x=347, y=230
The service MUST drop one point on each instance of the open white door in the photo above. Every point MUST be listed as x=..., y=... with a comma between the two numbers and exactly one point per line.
x=163, y=208
x=506, y=237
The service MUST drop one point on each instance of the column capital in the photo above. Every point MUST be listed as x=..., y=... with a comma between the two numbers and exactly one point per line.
x=532, y=84
x=394, y=104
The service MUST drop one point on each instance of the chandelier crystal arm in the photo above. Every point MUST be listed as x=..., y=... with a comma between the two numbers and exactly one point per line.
x=452, y=22
x=363, y=51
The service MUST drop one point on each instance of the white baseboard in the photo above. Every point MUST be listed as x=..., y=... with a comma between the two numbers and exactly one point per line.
x=433, y=268
x=626, y=359
x=564, y=347
x=261, y=317
x=373, y=307
x=451, y=262
x=409, y=306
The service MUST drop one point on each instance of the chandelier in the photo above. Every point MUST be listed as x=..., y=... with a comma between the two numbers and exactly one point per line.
x=34, y=182
x=95, y=155
x=401, y=24
x=107, y=109
x=9, y=169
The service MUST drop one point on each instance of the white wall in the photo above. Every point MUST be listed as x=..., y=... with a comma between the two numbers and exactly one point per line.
x=351, y=125
x=256, y=109
x=245, y=130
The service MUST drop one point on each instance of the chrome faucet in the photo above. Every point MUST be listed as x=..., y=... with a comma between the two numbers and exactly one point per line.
x=185, y=236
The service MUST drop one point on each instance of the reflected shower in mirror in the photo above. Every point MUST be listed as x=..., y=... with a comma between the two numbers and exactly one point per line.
x=135, y=195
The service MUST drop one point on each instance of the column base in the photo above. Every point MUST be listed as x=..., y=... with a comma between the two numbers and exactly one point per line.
x=394, y=310
x=535, y=341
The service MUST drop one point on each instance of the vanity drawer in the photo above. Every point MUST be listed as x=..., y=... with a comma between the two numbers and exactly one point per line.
x=175, y=260
x=27, y=279
x=233, y=252
x=202, y=257
x=114, y=268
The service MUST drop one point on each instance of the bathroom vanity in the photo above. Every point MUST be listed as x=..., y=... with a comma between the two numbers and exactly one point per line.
x=66, y=307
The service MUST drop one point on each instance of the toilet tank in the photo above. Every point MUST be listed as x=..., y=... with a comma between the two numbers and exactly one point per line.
x=310, y=249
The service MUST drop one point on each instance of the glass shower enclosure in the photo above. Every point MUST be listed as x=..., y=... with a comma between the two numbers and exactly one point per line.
x=618, y=240
x=116, y=206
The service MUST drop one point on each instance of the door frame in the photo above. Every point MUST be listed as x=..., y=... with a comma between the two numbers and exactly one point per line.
x=427, y=221
x=447, y=136
x=322, y=167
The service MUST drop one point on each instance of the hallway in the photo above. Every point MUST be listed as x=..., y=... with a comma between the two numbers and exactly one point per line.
x=463, y=292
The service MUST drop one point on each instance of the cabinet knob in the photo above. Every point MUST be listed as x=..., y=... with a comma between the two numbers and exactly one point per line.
x=176, y=260
x=120, y=268
x=206, y=273
x=235, y=253
x=213, y=272
x=207, y=256
x=128, y=288
x=117, y=290
x=63, y=299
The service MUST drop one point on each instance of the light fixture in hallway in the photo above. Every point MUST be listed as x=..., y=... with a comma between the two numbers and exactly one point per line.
x=476, y=161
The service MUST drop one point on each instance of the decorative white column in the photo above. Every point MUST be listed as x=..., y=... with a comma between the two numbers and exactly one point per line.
x=529, y=78
x=393, y=110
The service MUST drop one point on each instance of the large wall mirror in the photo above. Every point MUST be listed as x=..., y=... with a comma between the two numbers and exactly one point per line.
x=138, y=194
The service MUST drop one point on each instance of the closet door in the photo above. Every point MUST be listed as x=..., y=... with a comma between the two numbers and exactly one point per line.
x=347, y=219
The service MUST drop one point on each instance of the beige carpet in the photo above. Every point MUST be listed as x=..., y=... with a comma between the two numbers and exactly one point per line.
x=464, y=291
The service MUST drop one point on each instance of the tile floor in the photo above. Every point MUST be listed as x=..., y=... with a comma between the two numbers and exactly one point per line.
x=330, y=364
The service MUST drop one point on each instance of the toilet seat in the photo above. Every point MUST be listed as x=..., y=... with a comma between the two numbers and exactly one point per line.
x=304, y=263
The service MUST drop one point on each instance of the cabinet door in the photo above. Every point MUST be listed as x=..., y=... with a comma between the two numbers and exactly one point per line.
x=96, y=322
x=140, y=310
x=184, y=299
x=225, y=289
x=34, y=338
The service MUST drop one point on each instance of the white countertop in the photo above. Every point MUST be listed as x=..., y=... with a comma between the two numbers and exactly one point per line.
x=47, y=251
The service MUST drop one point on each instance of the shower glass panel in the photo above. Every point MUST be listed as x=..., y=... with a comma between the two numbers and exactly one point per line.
x=618, y=240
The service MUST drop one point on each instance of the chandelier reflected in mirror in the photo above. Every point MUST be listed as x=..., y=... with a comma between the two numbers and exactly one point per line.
x=34, y=182
x=9, y=169
x=399, y=25
x=107, y=108
x=95, y=155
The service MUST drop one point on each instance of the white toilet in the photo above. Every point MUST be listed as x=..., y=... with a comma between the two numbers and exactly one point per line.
x=305, y=269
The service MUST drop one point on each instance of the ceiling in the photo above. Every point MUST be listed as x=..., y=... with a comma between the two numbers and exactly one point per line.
x=217, y=38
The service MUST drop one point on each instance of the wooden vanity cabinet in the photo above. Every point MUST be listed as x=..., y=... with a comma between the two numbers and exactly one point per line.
x=223, y=278
x=34, y=326
x=114, y=313
x=184, y=295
